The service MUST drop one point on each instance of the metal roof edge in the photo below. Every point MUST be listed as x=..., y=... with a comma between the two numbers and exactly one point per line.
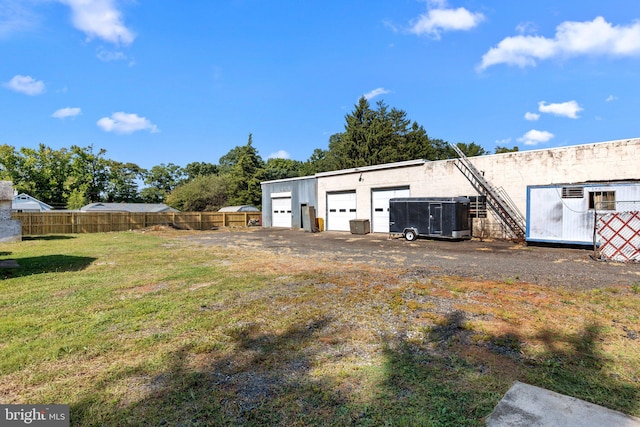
x=295, y=178
x=562, y=147
x=405, y=163
x=594, y=183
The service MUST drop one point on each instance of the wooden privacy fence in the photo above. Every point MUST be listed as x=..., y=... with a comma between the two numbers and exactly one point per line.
x=64, y=222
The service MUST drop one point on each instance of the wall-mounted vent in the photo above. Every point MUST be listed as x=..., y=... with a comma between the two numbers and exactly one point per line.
x=572, y=192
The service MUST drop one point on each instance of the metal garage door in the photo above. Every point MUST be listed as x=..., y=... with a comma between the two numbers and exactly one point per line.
x=281, y=212
x=380, y=207
x=341, y=209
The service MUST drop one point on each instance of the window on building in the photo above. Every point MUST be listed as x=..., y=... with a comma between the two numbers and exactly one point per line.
x=602, y=200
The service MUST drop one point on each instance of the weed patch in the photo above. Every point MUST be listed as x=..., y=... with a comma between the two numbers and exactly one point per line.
x=143, y=328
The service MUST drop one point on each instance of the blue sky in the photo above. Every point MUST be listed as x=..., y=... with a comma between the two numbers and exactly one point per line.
x=182, y=81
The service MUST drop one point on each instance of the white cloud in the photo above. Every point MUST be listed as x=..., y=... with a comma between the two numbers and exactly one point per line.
x=99, y=18
x=125, y=123
x=376, y=92
x=503, y=142
x=565, y=109
x=436, y=4
x=439, y=19
x=63, y=113
x=25, y=84
x=532, y=117
x=535, y=137
x=611, y=98
x=15, y=17
x=280, y=154
x=526, y=28
x=596, y=37
x=110, y=55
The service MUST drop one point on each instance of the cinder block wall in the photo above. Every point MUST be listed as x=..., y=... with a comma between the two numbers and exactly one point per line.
x=605, y=161
x=10, y=230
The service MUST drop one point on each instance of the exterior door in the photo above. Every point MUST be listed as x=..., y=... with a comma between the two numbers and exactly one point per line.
x=281, y=212
x=380, y=207
x=435, y=218
x=341, y=209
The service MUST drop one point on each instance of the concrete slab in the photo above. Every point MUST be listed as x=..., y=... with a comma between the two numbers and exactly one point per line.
x=527, y=405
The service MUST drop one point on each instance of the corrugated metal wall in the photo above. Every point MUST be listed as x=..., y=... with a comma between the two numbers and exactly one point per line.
x=303, y=191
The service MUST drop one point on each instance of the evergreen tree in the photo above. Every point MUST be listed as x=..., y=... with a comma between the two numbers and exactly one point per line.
x=500, y=150
x=244, y=183
x=469, y=150
x=320, y=161
x=379, y=136
x=280, y=169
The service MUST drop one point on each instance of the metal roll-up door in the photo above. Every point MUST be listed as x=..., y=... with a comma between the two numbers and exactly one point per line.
x=380, y=207
x=281, y=212
x=341, y=209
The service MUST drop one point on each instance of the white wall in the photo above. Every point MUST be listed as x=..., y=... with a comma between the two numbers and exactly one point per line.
x=606, y=161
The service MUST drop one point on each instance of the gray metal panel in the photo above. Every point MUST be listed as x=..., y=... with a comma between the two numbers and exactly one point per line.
x=303, y=192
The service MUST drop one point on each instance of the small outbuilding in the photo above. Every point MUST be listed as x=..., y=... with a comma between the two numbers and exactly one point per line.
x=25, y=203
x=569, y=213
x=285, y=201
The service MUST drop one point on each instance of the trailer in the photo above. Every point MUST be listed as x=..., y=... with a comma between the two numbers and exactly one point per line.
x=432, y=217
x=569, y=213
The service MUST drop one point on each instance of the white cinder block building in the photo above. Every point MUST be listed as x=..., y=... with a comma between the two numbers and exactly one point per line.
x=364, y=192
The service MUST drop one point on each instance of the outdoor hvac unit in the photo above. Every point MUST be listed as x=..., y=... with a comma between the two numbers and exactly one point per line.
x=436, y=217
x=360, y=226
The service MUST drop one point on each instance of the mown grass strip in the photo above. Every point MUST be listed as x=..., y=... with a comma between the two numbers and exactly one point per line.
x=145, y=329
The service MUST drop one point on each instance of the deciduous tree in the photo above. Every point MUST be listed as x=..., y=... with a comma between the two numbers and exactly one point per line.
x=203, y=193
x=161, y=180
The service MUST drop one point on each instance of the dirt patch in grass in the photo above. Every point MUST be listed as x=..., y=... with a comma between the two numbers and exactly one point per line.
x=485, y=260
x=264, y=330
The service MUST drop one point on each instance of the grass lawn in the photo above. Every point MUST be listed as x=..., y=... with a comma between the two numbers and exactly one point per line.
x=141, y=328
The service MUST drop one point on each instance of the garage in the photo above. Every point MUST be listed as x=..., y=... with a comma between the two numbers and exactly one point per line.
x=281, y=212
x=380, y=206
x=341, y=208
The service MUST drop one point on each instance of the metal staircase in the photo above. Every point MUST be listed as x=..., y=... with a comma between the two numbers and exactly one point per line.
x=503, y=207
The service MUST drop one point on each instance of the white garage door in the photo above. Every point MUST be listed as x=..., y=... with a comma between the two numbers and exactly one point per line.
x=281, y=212
x=380, y=205
x=342, y=209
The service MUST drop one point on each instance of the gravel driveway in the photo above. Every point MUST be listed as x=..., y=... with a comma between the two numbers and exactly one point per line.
x=491, y=260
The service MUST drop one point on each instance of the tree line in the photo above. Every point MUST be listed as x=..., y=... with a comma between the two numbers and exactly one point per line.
x=73, y=177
